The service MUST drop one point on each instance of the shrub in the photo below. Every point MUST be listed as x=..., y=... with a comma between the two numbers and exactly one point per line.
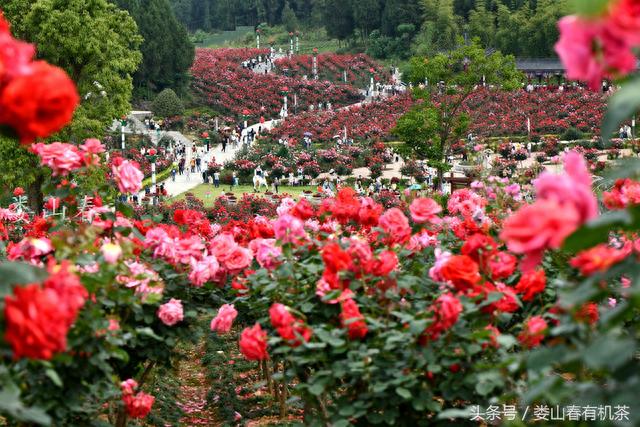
x=167, y=104
x=571, y=134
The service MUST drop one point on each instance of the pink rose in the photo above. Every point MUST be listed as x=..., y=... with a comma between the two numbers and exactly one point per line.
x=92, y=146
x=239, y=259
x=267, y=253
x=61, y=158
x=289, y=229
x=537, y=227
x=171, y=313
x=204, y=270
x=573, y=186
x=224, y=319
x=395, y=224
x=425, y=210
x=222, y=245
x=111, y=252
x=590, y=51
x=128, y=177
x=624, y=20
x=188, y=248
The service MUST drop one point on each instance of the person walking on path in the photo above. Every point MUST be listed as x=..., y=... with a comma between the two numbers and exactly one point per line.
x=276, y=183
x=216, y=179
x=224, y=144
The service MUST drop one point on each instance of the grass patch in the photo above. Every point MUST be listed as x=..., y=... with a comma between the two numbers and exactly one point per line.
x=208, y=193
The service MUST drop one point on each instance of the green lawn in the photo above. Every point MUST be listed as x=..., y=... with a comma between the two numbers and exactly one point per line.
x=208, y=193
x=226, y=38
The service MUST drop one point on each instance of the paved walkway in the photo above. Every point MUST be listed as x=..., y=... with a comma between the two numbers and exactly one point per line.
x=188, y=181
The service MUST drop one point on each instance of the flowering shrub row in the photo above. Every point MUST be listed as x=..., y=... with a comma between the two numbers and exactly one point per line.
x=360, y=68
x=221, y=82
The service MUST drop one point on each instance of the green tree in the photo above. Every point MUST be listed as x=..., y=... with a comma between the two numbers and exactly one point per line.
x=167, y=104
x=95, y=43
x=439, y=29
x=431, y=128
x=542, y=28
x=482, y=25
x=167, y=52
x=366, y=14
x=338, y=19
x=289, y=19
x=20, y=168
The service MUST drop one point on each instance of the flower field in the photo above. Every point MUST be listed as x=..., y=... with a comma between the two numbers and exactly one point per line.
x=221, y=83
x=331, y=67
x=493, y=113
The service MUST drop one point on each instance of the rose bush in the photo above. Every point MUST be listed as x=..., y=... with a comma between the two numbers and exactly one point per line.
x=221, y=82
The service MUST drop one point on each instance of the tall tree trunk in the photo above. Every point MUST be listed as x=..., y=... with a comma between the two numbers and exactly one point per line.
x=34, y=192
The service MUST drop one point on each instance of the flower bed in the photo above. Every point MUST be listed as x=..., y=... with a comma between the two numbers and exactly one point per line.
x=369, y=121
x=221, y=83
x=332, y=67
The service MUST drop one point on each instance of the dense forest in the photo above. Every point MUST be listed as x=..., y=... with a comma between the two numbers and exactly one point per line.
x=394, y=28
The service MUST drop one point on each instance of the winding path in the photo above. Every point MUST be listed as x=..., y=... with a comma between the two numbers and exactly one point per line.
x=188, y=181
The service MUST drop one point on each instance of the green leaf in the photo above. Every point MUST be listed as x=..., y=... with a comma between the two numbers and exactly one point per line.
x=597, y=231
x=53, y=376
x=609, y=351
x=622, y=105
x=11, y=405
x=454, y=413
x=403, y=392
x=125, y=208
x=545, y=357
x=326, y=336
x=148, y=332
x=19, y=273
x=628, y=167
x=317, y=388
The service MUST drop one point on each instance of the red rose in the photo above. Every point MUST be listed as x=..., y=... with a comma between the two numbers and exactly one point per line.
x=479, y=247
x=40, y=103
x=19, y=191
x=446, y=310
x=36, y=322
x=186, y=216
x=588, y=313
x=253, y=343
x=369, y=213
x=502, y=265
x=462, y=271
x=335, y=258
x=139, y=405
x=287, y=325
x=494, y=333
x=533, y=333
x=280, y=316
x=387, y=262
x=352, y=319
x=303, y=210
x=531, y=284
